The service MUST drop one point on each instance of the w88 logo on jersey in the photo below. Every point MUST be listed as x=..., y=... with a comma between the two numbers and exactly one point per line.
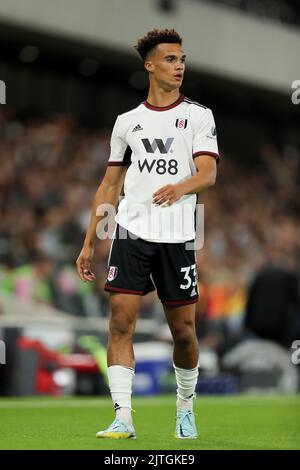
x=160, y=166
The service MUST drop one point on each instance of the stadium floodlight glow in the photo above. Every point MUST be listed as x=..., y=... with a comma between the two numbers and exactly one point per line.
x=29, y=54
x=2, y=92
x=139, y=80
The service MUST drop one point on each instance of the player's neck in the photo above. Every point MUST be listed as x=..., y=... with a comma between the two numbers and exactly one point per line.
x=161, y=98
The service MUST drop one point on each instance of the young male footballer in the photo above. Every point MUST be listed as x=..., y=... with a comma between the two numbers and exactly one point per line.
x=165, y=152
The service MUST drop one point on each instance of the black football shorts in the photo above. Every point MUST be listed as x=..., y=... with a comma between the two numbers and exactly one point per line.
x=136, y=266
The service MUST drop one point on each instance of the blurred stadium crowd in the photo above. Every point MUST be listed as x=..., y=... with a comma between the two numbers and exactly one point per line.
x=50, y=170
x=283, y=11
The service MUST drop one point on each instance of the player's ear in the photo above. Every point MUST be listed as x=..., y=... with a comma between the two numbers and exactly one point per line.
x=149, y=66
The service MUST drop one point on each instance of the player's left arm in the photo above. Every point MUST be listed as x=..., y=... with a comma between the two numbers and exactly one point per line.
x=204, y=178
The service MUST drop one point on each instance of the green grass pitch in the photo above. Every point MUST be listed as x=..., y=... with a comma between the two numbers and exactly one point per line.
x=235, y=422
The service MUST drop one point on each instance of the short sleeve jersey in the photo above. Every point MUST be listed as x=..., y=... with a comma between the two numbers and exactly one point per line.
x=158, y=145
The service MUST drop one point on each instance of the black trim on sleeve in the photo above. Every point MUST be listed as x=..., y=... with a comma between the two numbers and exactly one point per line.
x=212, y=154
x=126, y=159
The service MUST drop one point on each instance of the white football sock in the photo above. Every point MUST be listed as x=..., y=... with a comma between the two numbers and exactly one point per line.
x=186, y=384
x=120, y=384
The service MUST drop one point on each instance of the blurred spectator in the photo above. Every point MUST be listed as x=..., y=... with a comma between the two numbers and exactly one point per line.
x=273, y=307
x=30, y=281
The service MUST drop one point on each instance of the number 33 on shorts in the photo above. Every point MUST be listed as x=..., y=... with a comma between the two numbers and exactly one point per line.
x=190, y=276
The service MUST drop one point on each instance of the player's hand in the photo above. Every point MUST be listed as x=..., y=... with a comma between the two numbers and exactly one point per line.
x=167, y=195
x=83, y=264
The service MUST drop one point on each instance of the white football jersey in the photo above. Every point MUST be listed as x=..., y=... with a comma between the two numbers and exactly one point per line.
x=158, y=145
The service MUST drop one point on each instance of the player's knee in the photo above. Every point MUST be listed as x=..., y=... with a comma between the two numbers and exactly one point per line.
x=184, y=334
x=121, y=322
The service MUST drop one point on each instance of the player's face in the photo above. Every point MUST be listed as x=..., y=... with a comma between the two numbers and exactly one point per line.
x=166, y=65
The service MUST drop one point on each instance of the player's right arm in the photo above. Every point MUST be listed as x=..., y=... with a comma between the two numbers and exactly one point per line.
x=107, y=193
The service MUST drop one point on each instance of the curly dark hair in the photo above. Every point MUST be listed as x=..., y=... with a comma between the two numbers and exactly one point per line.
x=155, y=37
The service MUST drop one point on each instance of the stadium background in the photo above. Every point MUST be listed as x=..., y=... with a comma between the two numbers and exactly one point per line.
x=69, y=69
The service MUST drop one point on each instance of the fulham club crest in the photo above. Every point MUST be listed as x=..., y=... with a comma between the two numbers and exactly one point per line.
x=112, y=273
x=181, y=123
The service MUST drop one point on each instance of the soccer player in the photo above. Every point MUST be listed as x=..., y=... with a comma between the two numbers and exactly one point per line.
x=165, y=152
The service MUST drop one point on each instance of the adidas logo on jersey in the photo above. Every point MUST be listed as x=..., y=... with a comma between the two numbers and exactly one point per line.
x=137, y=128
x=194, y=292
